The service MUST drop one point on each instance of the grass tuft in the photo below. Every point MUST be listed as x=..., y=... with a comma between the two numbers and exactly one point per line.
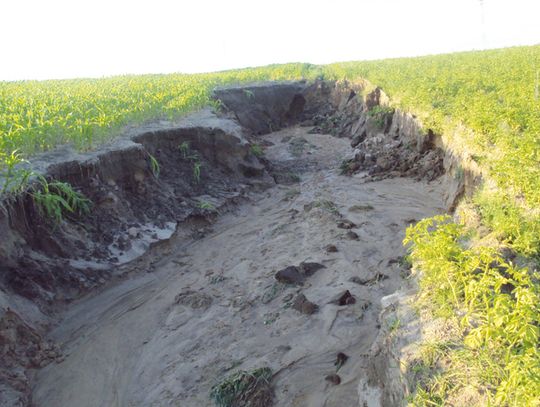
x=244, y=389
x=256, y=150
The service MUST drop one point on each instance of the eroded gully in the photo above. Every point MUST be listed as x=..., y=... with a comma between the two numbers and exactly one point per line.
x=211, y=306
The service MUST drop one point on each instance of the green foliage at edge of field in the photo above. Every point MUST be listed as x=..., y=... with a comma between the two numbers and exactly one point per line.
x=497, y=307
x=493, y=93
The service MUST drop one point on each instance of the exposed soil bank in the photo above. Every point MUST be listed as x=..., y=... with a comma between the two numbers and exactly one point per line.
x=140, y=339
x=45, y=266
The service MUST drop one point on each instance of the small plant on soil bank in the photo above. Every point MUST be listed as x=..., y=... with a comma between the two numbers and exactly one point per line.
x=345, y=167
x=194, y=158
x=154, y=166
x=247, y=389
x=15, y=179
x=326, y=205
x=53, y=199
x=257, y=150
x=56, y=199
x=184, y=149
x=249, y=94
x=208, y=206
x=379, y=114
x=197, y=171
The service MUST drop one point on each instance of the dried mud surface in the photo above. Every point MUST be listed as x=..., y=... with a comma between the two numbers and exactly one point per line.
x=199, y=306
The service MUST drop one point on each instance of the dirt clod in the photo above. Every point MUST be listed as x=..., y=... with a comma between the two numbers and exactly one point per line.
x=331, y=248
x=303, y=305
x=308, y=269
x=369, y=281
x=343, y=298
x=346, y=224
x=352, y=235
x=297, y=275
x=333, y=378
x=290, y=275
x=341, y=358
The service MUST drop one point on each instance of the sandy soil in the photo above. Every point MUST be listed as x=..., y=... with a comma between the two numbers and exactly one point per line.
x=212, y=305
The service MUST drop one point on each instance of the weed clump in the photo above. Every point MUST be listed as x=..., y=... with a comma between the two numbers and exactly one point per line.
x=244, y=389
x=257, y=150
x=193, y=157
x=56, y=199
x=326, y=205
x=380, y=115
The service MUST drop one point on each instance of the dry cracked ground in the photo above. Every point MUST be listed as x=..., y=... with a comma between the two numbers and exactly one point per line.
x=291, y=280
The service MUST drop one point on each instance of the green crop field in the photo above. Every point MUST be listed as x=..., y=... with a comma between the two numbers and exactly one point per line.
x=37, y=116
x=493, y=304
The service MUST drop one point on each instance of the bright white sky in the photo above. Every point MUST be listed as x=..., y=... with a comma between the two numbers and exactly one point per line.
x=41, y=39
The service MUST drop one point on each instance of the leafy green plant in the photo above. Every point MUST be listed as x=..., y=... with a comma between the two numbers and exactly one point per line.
x=188, y=154
x=379, y=114
x=291, y=194
x=205, y=205
x=246, y=388
x=272, y=292
x=55, y=199
x=217, y=279
x=326, y=205
x=270, y=318
x=394, y=325
x=217, y=105
x=154, y=166
x=197, y=171
x=14, y=178
x=499, y=310
x=249, y=94
x=256, y=150
x=459, y=174
x=345, y=167
x=184, y=149
x=297, y=146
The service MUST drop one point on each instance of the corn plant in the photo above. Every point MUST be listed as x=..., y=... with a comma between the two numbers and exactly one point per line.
x=197, y=171
x=15, y=179
x=184, y=149
x=248, y=93
x=154, y=166
x=55, y=199
x=205, y=205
